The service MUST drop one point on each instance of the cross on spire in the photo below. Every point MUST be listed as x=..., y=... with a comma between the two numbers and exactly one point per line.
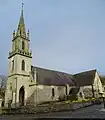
x=21, y=25
x=22, y=4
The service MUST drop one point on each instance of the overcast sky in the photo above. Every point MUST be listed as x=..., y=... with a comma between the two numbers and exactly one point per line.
x=66, y=35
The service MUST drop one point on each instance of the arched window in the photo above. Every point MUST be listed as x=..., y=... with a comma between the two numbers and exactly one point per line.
x=53, y=92
x=23, y=65
x=80, y=94
x=20, y=32
x=66, y=89
x=23, y=45
x=10, y=86
x=12, y=65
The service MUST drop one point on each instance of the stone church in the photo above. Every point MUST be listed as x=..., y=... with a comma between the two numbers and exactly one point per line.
x=27, y=84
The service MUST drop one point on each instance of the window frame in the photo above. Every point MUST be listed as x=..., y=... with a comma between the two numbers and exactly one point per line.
x=12, y=65
x=53, y=92
x=23, y=45
x=23, y=65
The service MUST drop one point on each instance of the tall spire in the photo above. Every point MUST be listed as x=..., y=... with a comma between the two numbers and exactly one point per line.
x=21, y=26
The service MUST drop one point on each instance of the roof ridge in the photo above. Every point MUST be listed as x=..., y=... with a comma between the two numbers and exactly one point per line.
x=85, y=71
x=52, y=70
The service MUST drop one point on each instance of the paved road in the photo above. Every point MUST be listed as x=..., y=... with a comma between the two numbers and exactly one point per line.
x=95, y=111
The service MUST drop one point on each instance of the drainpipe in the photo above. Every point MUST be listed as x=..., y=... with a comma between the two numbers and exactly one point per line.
x=36, y=94
x=93, y=91
x=16, y=93
x=103, y=100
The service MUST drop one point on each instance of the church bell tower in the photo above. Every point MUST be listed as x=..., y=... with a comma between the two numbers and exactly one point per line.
x=20, y=49
x=19, y=67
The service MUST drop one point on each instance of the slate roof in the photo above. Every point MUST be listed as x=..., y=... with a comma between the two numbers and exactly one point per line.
x=85, y=78
x=51, y=77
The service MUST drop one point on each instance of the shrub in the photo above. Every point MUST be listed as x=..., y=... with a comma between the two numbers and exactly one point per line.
x=72, y=97
x=62, y=98
x=48, y=102
x=92, y=98
x=84, y=100
x=97, y=101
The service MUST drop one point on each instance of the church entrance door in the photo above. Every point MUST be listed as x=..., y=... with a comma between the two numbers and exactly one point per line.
x=21, y=96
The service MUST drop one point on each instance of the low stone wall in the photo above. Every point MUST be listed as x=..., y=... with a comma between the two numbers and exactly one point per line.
x=54, y=107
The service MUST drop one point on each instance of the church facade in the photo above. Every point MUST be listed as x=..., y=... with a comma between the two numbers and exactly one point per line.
x=27, y=84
